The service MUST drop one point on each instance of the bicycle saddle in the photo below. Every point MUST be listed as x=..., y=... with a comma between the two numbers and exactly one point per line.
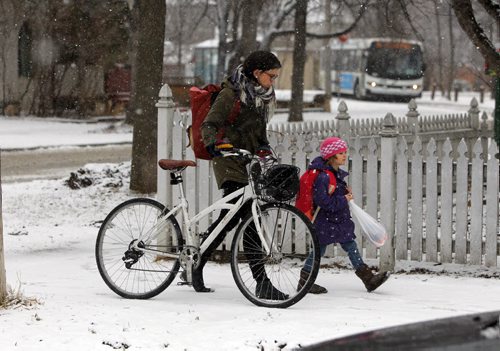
x=175, y=164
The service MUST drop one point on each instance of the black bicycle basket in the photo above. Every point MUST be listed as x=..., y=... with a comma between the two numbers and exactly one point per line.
x=278, y=183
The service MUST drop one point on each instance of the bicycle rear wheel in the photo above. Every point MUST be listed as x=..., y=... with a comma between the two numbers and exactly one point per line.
x=272, y=279
x=127, y=232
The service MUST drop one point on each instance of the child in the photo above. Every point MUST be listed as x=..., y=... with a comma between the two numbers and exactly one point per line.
x=333, y=221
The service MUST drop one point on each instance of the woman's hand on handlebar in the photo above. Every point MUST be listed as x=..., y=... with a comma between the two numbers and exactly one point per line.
x=220, y=147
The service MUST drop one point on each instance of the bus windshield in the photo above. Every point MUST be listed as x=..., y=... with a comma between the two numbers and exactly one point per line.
x=395, y=61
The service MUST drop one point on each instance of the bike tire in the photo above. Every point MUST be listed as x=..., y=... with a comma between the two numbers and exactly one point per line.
x=294, y=237
x=151, y=273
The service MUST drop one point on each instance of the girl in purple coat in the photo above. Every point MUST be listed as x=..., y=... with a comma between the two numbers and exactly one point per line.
x=333, y=221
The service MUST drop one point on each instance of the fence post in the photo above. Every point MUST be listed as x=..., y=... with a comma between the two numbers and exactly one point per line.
x=412, y=116
x=343, y=123
x=165, y=107
x=474, y=114
x=3, y=278
x=388, y=140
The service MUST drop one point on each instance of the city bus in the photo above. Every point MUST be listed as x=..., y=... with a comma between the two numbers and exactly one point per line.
x=376, y=67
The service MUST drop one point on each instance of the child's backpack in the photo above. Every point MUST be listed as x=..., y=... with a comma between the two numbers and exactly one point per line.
x=304, y=201
x=201, y=102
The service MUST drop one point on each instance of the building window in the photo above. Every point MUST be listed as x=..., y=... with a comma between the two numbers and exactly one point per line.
x=24, y=54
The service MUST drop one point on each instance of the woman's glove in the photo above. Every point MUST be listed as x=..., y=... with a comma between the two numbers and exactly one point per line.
x=215, y=149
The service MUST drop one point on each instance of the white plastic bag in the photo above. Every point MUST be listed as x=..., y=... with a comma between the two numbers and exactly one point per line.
x=373, y=230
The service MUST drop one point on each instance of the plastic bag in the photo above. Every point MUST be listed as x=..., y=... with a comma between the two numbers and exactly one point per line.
x=373, y=230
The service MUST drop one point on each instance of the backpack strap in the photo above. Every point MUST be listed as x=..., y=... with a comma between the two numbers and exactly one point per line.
x=331, y=188
x=233, y=115
x=235, y=111
x=333, y=182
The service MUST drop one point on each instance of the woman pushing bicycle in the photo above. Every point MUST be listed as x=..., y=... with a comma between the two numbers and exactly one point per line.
x=142, y=245
x=251, y=86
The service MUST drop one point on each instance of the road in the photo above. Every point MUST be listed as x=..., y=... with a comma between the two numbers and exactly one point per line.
x=24, y=165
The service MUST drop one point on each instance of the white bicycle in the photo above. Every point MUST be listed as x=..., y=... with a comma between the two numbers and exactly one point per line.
x=141, y=248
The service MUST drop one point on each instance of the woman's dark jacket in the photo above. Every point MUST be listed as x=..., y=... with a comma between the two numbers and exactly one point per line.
x=333, y=223
x=248, y=131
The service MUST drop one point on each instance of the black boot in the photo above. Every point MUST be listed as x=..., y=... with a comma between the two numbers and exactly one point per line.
x=197, y=283
x=266, y=290
x=315, y=288
x=371, y=281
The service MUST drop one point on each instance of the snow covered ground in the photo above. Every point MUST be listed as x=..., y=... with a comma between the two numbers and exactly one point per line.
x=28, y=132
x=377, y=109
x=49, y=237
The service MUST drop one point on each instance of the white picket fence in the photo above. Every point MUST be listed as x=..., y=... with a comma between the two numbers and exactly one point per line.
x=432, y=181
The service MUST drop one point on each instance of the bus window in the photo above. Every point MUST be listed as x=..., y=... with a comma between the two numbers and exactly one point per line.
x=395, y=62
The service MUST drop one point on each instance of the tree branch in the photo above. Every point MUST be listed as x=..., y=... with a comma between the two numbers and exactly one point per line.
x=492, y=8
x=327, y=35
x=408, y=18
x=465, y=15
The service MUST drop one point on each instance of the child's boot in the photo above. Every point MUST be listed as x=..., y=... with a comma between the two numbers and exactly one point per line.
x=371, y=281
x=315, y=288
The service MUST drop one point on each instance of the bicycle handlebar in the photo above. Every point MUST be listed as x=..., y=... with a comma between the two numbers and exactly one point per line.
x=237, y=152
x=245, y=153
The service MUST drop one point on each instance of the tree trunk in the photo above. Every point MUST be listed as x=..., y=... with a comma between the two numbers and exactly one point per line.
x=248, y=40
x=328, y=56
x=451, y=68
x=146, y=84
x=223, y=9
x=465, y=16
x=440, y=48
x=299, y=60
x=3, y=279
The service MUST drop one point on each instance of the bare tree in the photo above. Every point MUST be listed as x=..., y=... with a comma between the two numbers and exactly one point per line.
x=299, y=59
x=3, y=279
x=467, y=19
x=149, y=27
x=247, y=42
x=328, y=61
x=183, y=21
x=451, y=66
x=440, y=45
x=299, y=53
x=283, y=10
x=223, y=13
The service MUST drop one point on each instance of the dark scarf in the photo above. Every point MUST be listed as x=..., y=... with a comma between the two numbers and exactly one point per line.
x=251, y=93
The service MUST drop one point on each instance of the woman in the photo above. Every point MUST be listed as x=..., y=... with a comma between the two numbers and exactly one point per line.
x=251, y=83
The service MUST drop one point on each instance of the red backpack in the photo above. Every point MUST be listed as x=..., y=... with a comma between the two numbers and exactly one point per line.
x=201, y=102
x=304, y=201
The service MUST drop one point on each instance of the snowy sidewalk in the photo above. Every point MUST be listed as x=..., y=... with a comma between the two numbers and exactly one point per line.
x=50, y=234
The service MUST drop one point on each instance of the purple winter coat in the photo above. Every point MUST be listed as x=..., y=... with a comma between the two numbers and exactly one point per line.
x=333, y=223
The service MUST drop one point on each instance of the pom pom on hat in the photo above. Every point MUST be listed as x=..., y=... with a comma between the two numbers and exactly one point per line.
x=332, y=146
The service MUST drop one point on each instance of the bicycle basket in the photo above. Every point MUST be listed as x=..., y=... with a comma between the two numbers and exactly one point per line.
x=279, y=183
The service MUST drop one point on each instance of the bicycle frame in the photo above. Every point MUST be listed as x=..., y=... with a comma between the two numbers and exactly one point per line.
x=192, y=239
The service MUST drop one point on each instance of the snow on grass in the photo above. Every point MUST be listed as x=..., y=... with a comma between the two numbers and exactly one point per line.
x=50, y=231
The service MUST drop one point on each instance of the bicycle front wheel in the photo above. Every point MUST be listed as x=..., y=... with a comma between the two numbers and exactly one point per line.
x=131, y=247
x=270, y=277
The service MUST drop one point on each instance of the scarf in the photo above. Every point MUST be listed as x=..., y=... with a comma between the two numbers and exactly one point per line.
x=251, y=93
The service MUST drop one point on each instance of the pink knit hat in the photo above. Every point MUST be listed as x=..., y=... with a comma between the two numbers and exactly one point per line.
x=332, y=146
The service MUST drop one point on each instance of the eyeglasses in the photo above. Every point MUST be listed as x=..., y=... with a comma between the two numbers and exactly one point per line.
x=271, y=76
